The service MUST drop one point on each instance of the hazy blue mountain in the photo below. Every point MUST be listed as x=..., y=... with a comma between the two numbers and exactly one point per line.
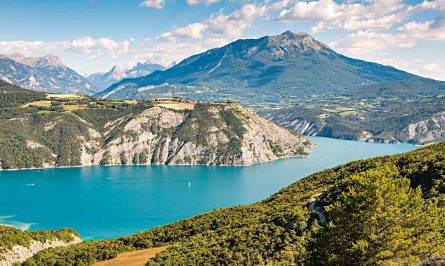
x=143, y=69
x=101, y=81
x=47, y=73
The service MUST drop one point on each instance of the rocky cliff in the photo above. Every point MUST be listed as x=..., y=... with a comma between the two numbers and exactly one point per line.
x=422, y=132
x=17, y=245
x=86, y=131
x=21, y=253
x=425, y=131
x=211, y=134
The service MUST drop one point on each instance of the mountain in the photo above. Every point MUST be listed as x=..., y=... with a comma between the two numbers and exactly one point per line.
x=303, y=84
x=382, y=211
x=47, y=73
x=101, y=81
x=143, y=69
x=292, y=63
x=52, y=130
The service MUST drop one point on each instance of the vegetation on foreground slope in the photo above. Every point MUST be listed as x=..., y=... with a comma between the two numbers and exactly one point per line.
x=10, y=236
x=387, y=210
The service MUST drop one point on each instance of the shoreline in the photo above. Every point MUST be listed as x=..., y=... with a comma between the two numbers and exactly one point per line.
x=111, y=165
x=282, y=158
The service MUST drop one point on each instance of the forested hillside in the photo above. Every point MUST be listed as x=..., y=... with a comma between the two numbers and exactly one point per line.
x=382, y=211
x=53, y=130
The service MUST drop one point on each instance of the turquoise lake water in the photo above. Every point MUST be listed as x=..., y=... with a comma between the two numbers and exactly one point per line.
x=103, y=202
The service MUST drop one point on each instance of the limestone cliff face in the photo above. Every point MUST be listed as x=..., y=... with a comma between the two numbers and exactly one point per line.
x=21, y=253
x=424, y=132
x=167, y=132
x=302, y=127
x=211, y=134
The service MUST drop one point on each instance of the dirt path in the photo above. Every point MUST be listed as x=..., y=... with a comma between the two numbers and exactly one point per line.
x=317, y=210
x=134, y=258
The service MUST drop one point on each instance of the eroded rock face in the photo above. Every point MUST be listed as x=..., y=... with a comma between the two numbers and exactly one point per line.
x=162, y=136
x=21, y=253
x=426, y=131
x=210, y=134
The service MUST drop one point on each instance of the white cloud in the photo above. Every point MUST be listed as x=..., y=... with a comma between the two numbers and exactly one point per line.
x=428, y=30
x=159, y=4
x=219, y=25
x=166, y=53
x=352, y=16
x=422, y=67
x=84, y=45
x=215, y=31
x=364, y=42
x=156, y=4
x=406, y=36
x=196, y=2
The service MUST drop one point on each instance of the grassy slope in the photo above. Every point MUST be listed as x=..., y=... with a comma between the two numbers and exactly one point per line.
x=274, y=230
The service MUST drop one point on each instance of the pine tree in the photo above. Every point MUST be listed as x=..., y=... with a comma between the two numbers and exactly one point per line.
x=379, y=220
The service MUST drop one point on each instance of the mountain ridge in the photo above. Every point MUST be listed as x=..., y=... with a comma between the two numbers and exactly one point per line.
x=47, y=73
x=196, y=69
x=103, y=80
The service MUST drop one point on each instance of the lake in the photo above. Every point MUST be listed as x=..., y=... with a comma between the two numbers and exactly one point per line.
x=103, y=202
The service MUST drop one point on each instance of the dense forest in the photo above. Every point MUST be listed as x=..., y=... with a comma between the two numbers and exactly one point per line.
x=383, y=211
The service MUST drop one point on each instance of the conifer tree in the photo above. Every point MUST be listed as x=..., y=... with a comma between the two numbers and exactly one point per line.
x=379, y=220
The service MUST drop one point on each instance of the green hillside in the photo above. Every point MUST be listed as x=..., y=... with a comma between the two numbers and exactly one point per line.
x=387, y=211
x=10, y=236
x=39, y=130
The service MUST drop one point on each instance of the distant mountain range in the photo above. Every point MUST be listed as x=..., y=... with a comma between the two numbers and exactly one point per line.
x=101, y=81
x=50, y=74
x=305, y=86
x=47, y=73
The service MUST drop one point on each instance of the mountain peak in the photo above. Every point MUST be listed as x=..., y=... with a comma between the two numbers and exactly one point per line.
x=116, y=73
x=301, y=40
x=294, y=34
x=47, y=60
x=50, y=60
x=18, y=57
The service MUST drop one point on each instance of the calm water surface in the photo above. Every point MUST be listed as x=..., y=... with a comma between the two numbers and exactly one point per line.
x=103, y=202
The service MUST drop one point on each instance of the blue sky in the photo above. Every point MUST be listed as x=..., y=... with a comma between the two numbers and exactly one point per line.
x=94, y=35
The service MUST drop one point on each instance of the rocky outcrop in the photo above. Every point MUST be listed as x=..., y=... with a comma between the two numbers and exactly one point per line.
x=162, y=136
x=162, y=132
x=21, y=253
x=302, y=127
x=426, y=131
